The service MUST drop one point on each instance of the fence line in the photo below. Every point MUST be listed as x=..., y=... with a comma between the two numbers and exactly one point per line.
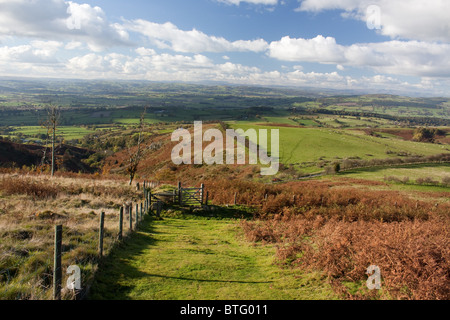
x=145, y=207
x=141, y=209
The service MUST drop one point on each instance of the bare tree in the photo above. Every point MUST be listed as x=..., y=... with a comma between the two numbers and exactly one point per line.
x=135, y=157
x=52, y=121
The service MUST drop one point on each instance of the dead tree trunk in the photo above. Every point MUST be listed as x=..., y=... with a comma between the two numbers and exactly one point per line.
x=135, y=158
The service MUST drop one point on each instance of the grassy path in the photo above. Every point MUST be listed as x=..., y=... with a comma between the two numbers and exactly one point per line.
x=199, y=259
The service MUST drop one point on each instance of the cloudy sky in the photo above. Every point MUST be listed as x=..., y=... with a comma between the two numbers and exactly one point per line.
x=372, y=45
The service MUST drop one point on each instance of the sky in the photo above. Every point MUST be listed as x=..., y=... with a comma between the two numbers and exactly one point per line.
x=396, y=46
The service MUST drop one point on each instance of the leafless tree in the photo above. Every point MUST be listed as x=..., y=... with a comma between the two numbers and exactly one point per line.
x=136, y=156
x=51, y=123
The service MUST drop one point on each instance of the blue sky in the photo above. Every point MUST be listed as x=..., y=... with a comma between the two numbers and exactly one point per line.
x=299, y=43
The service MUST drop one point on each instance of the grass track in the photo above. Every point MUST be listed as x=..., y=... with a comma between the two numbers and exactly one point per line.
x=199, y=259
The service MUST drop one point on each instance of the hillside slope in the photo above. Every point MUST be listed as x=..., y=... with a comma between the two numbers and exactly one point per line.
x=68, y=158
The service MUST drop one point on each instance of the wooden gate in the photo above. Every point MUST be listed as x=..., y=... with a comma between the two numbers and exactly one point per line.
x=181, y=196
x=190, y=196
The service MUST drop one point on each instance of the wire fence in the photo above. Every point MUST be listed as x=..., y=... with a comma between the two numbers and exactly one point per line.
x=58, y=260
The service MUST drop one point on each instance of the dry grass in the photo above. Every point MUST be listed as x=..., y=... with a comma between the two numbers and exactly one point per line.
x=31, y=205
x=413, y=256
x=340, y=229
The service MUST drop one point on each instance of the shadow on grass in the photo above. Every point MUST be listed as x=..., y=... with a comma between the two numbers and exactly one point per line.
x=116, y=266
x=208, y=212
x=110, y=280
x=203, y=280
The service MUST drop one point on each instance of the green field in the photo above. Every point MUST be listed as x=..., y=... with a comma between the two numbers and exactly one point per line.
x=315, y=129
x=412, y=172
x=66, y=132
x=311, y=145
x=348, y=121
x=206, y=259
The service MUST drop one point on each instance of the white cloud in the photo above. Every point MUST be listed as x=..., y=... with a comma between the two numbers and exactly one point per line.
x=412, y=58
x=148, y=65
x=30, y=60
x=45, y=48
x=60, y=20
x=262, y=2
x=34, y=59
x=38, y=52
x=168, y=36
x=66, y=39
x=145, y=51
x=90, y=62
x=318, y=49
x=426, y=20
x=72, y=45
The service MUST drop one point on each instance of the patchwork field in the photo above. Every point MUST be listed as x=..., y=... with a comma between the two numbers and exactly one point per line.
x=363, y=180
x=308, y=147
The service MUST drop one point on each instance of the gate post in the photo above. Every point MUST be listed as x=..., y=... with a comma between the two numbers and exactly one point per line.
x=202, y=194
x=130, y=213
x=101, y=234
x=57, y=271
x=121, y=223
x=149, y=201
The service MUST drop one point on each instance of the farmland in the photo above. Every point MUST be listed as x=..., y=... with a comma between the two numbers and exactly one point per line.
x=308, y=148
x=354, y=171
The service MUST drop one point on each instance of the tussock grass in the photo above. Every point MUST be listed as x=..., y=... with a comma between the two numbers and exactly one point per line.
x=31, y=205
x=341, y=231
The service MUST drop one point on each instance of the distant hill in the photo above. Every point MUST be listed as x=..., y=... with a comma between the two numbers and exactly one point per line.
x=68, y=157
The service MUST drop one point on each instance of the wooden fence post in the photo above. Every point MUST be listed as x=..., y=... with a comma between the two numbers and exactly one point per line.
x=145, y=203
x=207, y=197
x=141, y=212
x=180, y=200
x=130, y=213
x=150, y=200
x=202, y=186
x=137, y=217
x=100, y=234
x=121, y=223
x=158, y=208
x=57, y=270
x=235, y=198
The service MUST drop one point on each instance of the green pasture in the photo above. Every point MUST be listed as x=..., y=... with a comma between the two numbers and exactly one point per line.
x=413, y=172
x=348, y=121
x=302, y=145
x=68, y=133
